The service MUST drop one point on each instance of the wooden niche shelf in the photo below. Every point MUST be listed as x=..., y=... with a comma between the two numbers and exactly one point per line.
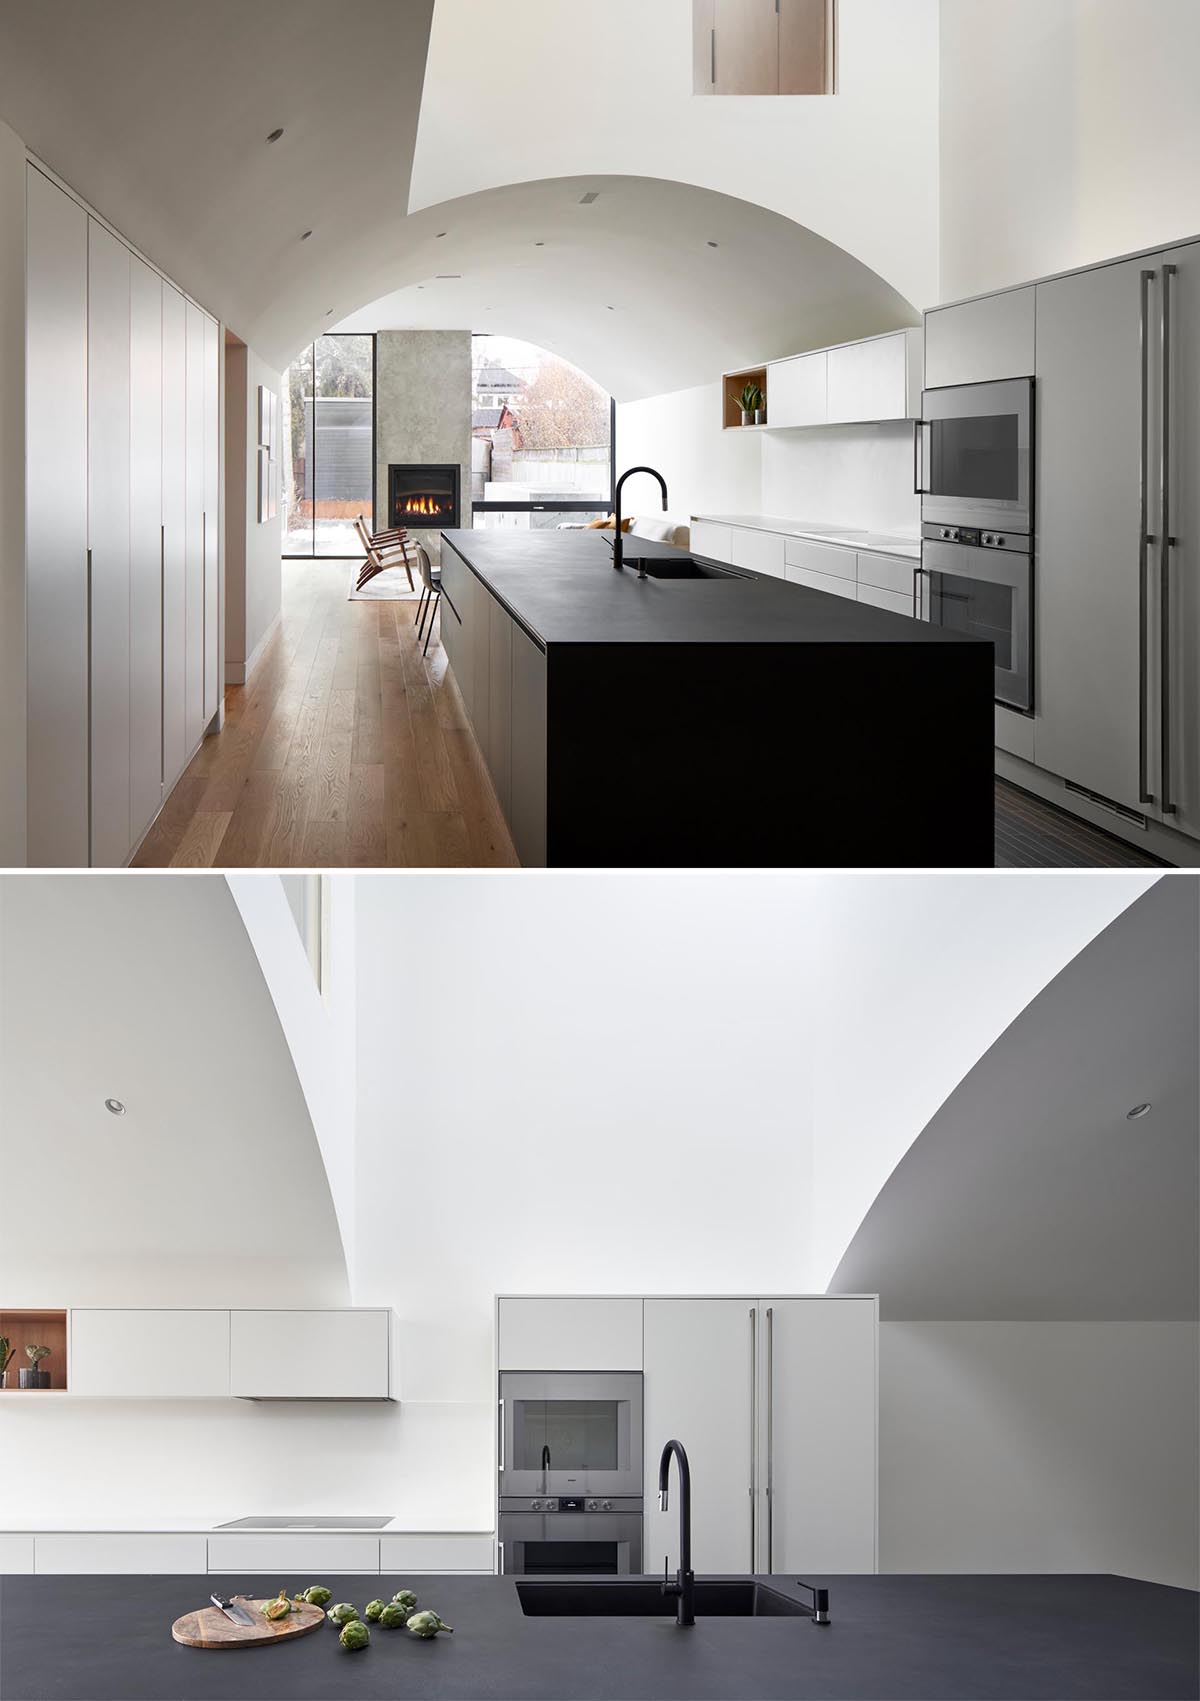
x=26, y=1328
x=732, y=385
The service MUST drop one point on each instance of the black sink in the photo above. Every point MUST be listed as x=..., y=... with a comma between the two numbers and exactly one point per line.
x=637, y=1598
x=678, y=567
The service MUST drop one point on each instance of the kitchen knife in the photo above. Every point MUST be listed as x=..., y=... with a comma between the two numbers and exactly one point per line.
x=232, y=1609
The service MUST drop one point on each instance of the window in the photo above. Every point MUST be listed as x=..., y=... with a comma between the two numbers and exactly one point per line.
x=764, y=47
x=541, y=438
x=329, y=446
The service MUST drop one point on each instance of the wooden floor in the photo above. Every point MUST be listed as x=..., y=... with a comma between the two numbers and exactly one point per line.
x=347, y=749
x=351, y=749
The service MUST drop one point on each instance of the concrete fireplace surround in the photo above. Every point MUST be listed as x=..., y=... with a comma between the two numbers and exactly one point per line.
x=422, y=410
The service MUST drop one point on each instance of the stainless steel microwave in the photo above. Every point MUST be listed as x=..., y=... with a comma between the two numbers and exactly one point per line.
x=570, y=1433
x=974, y=456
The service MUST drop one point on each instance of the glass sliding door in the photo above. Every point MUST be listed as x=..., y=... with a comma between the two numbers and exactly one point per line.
x=329, y=446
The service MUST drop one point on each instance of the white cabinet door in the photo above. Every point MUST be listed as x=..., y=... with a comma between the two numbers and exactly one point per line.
x=976, y=341
x=699, y=1389
x=414, y=1553
x=796, y=390
x=175, y=748
x=313, y=1553
x=194, y=469
x=819, y=1447
x=886, y=572
x=761, y=552
x=121, y=1553
x=212, y=521
x=897, y=602
x=153, y=1354
x=819, y=558
x=145, y=547
x=56, y=524
x=868, y=380
x=16, y=1556
x=1184, y=486
x=108, y=527
x=826, y=582
x=570, y=1334
x=310, y=1355
x=714, y=541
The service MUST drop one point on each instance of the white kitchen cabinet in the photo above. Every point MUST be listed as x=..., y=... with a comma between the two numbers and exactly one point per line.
x=16, y=1556
x=150, y=1354
x=714, y=541
x=121, y=1553
x=195, y=538
x=310, y=1355
x=878, y=378
x=896, y=601
x=796, y=390
x=818, y=1412
x=56, y=525
x=175, y=748
x=316, y=1553
x=570, y=1334
x=761, y=552
x=700, y=1390
x=830, y=583
x=145, y=547
x=211, y=382
x=887, y=572
x=819, y=558
x=405, y=1552
x=973, y=342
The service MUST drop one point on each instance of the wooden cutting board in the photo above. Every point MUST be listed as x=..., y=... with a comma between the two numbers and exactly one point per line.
x=208, y=1626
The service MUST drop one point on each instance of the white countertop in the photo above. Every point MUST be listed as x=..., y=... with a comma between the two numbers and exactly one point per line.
x=848, y=537
x=209, y=1527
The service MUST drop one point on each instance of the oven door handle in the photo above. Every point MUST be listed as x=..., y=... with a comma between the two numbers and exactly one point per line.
x=500, y=1438
x=918, y=597
x=919, y=425
x=500, y=1558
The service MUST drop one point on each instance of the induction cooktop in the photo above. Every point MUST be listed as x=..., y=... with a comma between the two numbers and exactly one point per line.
x=299, y=1523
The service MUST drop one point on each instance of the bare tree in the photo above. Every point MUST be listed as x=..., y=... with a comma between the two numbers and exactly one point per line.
x=562, y=409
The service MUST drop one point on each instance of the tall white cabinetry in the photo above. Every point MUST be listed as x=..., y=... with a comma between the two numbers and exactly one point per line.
x=122, y=552
x=775, y=1401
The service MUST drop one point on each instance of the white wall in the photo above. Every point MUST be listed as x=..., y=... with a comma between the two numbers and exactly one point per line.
x=1040, y=1447
x=707, y=470
x=1070, y=131
x=854, y=475
x=12, y=499
x=253, y=552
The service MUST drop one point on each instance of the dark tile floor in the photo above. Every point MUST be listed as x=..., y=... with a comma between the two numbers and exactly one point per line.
x=1031, y=833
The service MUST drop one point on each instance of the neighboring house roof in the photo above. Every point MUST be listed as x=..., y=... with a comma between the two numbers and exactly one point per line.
x=498, y=378
x=490, y=419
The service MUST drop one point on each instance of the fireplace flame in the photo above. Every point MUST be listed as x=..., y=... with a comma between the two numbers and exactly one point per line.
x=422, y=505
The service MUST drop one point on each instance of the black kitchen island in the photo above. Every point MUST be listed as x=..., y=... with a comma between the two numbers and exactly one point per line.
x=1090, y=1638
x=728, y=719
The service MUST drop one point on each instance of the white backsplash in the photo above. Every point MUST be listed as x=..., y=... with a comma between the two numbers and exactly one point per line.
x=850, y=475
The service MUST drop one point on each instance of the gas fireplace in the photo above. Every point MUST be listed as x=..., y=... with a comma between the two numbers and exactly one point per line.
x=423, y=496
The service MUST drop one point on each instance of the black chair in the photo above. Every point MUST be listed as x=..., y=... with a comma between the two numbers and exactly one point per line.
x=431, y=594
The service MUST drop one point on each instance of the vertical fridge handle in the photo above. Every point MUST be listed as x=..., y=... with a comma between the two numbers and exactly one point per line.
x=500, y=1557
x=770, y=1439
x=753, y=1435
x=1144, y=793
x=1165, y=543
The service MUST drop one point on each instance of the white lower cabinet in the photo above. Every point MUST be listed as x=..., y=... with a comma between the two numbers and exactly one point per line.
x=899, y=602
x=775, y=1401
x=16, y=1556
x=453, y=1552
x=887, y=572
x=818, y=557
x=828, y=582
x=238, y=1550
x=310, y=1355
x=714, y=541
x=761, y=552
x=164, y=1355
x=120, y=1553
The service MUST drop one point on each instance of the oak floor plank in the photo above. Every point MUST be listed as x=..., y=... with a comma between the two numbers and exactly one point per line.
x=200, y=843
x=366, y=838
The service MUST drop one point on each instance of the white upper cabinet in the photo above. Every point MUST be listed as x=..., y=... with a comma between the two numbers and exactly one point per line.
x=977, y=341
x=150, y=1354
x=310, y=1355
x=878, y=379
x=570, y=1334
x=796, y=390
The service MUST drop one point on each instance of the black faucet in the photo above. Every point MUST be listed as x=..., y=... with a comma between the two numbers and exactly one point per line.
x=684, y=1586
x=545, y=1457
x=618, y=540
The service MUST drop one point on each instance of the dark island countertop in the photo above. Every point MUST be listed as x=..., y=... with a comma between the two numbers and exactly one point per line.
x=562, y=588
x=1088, y=1638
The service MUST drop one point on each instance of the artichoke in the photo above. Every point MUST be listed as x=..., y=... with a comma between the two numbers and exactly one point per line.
x=426, y=1624
x=393, y=1617
x=405, y=1598
x=373, y=1610
x=318, y=1595
x=343, y=1612
x=277, y=1609
x=354, y=1635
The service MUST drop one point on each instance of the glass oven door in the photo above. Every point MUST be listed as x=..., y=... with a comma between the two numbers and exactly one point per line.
x=985, y=593
x=976, y=455
x=533, y=1544
x=571, y=1432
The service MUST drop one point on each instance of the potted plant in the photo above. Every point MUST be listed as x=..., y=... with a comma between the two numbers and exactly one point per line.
x=33, y=1377
x=7, y=1354
x=750, y=401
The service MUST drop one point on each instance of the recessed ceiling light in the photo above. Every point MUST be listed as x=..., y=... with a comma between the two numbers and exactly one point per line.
x=115, y=1106
x=328, y=312
x=586, y=200
x=275, y=135
x=441, y=233
x=1138, y=1111
x=610, y=307
x=539, y=245
x=444, y=275
x=304, y=235
x=713, y=244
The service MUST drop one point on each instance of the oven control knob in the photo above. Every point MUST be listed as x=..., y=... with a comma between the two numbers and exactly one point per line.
x=997, y=541
x=606, y=1506
x=593, y=1506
